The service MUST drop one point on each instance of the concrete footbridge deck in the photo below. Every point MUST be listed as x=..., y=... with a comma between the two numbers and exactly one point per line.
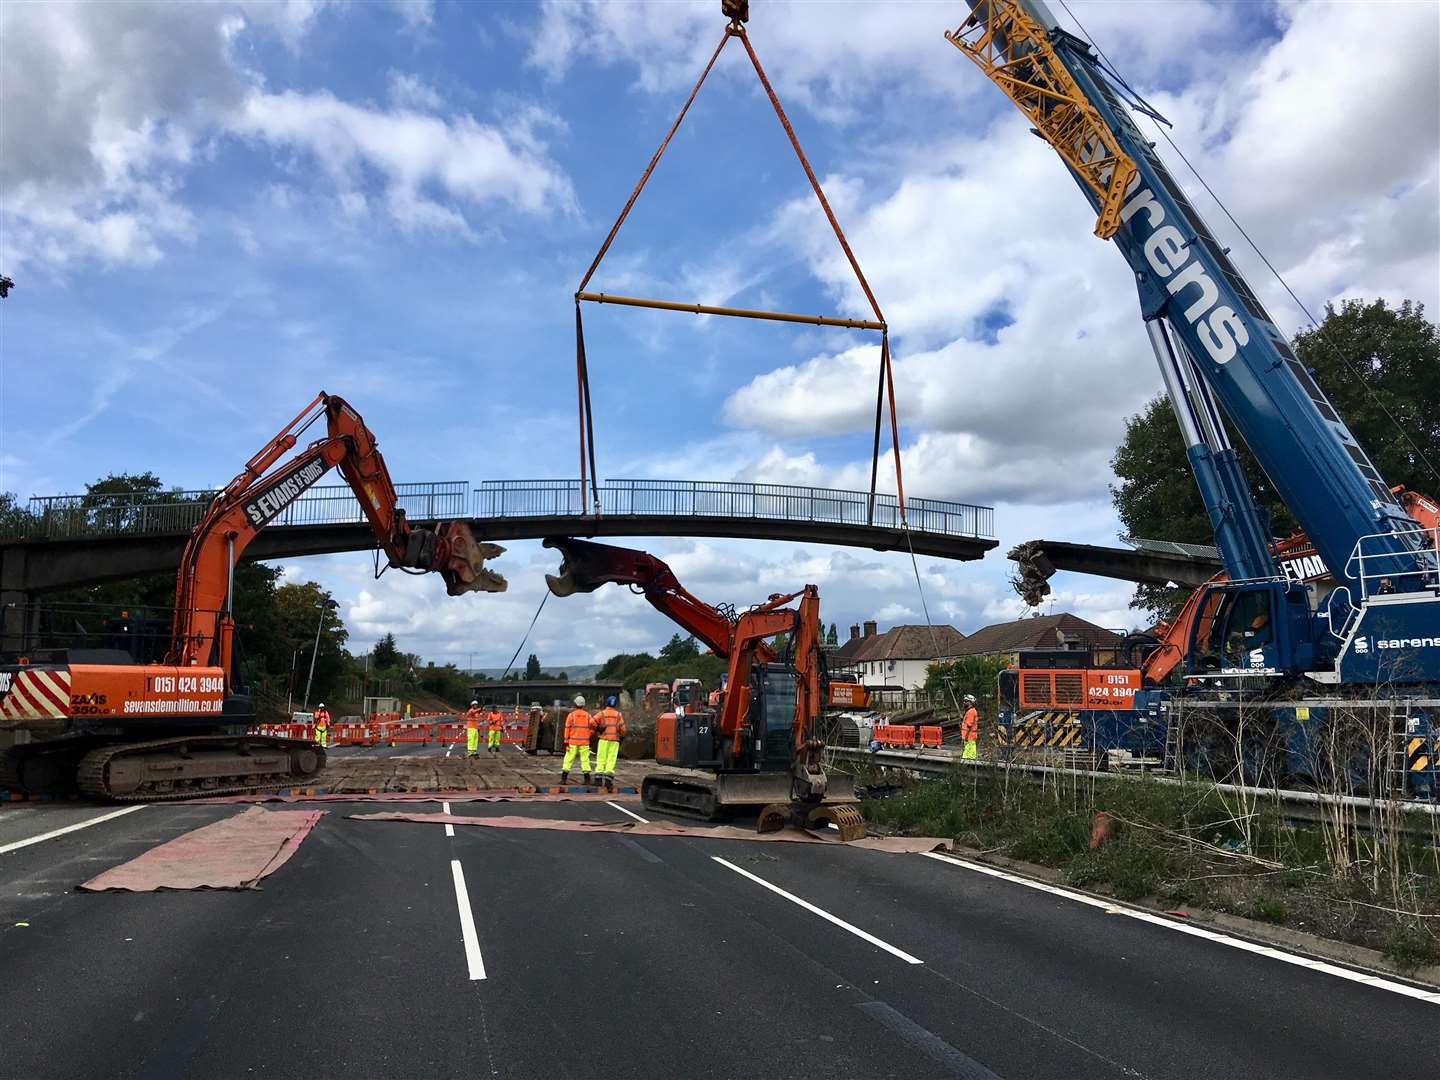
x=71, y=540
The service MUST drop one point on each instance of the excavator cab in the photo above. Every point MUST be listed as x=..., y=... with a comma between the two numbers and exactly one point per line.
x=1262, y=628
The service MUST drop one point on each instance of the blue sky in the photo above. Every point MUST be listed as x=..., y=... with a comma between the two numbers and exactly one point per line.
x=212, y=211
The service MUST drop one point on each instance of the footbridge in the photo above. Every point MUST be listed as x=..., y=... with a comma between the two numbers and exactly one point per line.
x=70, y=540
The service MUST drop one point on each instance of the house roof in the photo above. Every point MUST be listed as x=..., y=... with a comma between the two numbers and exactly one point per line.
x=906, y=643
x=1041, y=632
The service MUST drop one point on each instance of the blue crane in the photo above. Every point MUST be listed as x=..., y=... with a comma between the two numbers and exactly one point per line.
x=1222, y=355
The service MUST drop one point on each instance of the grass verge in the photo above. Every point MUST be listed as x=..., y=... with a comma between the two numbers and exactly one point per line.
x=1190, y=844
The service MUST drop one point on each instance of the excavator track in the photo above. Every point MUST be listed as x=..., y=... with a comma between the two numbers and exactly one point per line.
x=187, y=767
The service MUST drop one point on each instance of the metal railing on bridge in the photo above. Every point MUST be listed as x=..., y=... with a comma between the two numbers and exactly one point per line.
x=59, y=517
x=176, y=512
x=719, y=498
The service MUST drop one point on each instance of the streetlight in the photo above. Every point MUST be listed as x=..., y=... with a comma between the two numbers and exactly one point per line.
x=316, y=652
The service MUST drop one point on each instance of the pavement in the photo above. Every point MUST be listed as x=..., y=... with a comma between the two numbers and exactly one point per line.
x=603, y=955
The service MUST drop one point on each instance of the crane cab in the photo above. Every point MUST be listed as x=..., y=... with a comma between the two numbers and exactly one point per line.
x=1253, y=628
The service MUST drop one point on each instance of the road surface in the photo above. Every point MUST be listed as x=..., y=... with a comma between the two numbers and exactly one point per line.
x=612, y=956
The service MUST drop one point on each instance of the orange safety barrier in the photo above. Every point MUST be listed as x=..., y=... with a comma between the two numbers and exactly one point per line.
x=450, y=733
x=930, y=736
x=400, y=732
x=895, y=734
x=354, y=735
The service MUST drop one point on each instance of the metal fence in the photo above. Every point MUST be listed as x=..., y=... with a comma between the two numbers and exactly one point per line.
x=146, y=513
x=68, y=516
x=715, y=498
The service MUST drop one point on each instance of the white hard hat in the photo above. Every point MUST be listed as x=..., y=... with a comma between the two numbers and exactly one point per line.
x=474, y=703
x=580, y=700
x=321, y=705
x=969, y=697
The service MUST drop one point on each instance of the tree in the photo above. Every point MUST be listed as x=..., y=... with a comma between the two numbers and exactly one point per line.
x=1369, y=358
x=298, y=610
x=677, y=650
x=386, y=653
x=533, y=670
x=976, y=675
x=832, y=637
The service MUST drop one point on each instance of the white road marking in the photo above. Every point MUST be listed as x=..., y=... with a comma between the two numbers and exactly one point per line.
x=449, y=829
x=637, y=817
x=1113, y=908
x=18, y=844
x=871, y=938
x=467, y=923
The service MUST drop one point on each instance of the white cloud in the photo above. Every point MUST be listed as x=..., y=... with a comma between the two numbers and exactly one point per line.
x=414, y=154
x=105, y=108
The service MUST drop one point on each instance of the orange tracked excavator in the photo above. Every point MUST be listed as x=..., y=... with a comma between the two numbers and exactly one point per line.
x=762, y=741
x=123, y=730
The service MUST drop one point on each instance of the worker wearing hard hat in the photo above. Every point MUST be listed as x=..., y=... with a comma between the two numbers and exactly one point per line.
x=472, y=730
x=970, y=729
x=610, y=723
x=579, y=726
x=322, y=725
x=494, y=725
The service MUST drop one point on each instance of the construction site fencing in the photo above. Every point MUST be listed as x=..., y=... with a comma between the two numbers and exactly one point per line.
x=389, y=729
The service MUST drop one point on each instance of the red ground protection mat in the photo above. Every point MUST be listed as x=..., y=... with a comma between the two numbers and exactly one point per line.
x=231, y=854
x=463, y=795
x=898, y=844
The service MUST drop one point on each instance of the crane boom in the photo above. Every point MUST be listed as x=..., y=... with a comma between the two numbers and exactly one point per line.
x=1218, y=349
x=1220, y=338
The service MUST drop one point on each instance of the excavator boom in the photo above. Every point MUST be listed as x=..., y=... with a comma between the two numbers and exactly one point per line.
x=203, y=631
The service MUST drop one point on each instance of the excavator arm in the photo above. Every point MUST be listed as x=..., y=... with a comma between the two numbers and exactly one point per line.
x=585, y=566
x=203, y=630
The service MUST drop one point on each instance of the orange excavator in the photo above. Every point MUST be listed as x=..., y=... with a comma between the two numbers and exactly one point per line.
x=763, y=741
x=116, y=729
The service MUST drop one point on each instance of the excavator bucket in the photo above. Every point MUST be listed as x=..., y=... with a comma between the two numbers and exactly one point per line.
x=460, y=558
x=584, y=566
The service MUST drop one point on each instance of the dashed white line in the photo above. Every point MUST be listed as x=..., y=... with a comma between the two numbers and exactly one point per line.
x=637, y=817
x=1195, y=931
x=871, y=938
x=18, y=844
x=449, y=829
x=471, y=939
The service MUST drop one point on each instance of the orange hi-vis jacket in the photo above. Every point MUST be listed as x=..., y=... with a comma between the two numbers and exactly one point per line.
x=494, y=720
x=579, y=724
x=472, y=719
x=322, y=716
x=970, y=725
x=611, y=724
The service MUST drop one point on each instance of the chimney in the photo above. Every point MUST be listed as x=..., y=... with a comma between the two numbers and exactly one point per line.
x=854, y=631
x=870, y=628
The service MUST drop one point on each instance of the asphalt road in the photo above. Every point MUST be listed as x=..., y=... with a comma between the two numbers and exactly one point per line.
x=607, y=955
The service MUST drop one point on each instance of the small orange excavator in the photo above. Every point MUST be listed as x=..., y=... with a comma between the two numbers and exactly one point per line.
x=122, y=730
x=763, y=741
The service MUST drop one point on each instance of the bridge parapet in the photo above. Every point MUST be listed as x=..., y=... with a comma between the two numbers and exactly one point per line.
x=60, y=517
x=730, y=499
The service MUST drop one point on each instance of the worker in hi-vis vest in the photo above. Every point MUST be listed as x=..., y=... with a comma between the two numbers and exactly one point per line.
x=494, y=725
x=472, y=730
x=610, y=723
x=970, y=729
x=579, y=726
x=322, y=725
